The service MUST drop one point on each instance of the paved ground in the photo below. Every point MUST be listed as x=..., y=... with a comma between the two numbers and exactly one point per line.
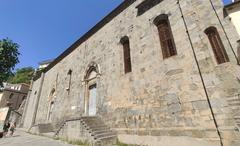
x=21, y=138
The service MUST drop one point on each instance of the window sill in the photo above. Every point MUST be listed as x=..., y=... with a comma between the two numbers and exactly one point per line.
x=173, y=56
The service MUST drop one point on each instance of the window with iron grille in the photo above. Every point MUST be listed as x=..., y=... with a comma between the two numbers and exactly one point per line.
x=217, y=45
x=126, y=54
x=165, y=36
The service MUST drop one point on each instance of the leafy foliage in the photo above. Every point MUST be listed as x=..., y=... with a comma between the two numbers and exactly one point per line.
x=22, y=75
x=8, y=58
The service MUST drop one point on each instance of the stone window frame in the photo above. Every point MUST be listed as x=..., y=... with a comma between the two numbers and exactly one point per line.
x=11, y=96
x=165, y=35
x=126, y=54
x=69, y=76
x=217, y=46
x=238, y=50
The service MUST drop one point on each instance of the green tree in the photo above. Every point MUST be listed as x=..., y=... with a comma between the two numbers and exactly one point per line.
x=8, y=58
x=22, y=75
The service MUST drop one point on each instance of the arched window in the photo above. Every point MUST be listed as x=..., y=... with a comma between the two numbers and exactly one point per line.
x=52, y=94
x=126, y=54
x=165, y=36
x=11, y=96
x=238, y=50
x=217, y=45
x=24, y=97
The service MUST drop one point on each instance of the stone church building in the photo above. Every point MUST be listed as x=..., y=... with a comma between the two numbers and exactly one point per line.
x=152, y=72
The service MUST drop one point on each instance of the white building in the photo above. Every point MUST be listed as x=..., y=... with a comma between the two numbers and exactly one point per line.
x=233, y=11
x=44, y=64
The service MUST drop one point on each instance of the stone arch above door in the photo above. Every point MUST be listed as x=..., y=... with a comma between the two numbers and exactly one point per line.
x=92, y=71
x=52, y=95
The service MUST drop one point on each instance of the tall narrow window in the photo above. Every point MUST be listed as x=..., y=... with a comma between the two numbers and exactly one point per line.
x=52, y=98
x=238, y=50
x=217, y=45
x=50, y=111
x=127, y=55
x=165, y=36
x=69, y=81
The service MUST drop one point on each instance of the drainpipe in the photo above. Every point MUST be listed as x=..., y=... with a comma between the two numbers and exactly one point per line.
x=215, y=11
x=37, y=100
x=200, y=73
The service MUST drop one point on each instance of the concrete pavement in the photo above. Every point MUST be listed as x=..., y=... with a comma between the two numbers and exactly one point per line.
x=21, y=138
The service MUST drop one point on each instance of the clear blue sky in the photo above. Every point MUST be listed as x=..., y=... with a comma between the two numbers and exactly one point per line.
x=45, y=28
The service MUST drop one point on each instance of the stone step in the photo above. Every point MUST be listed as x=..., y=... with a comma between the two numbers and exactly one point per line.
x=89, y=118
x=93, y=123
x=96, y=126
x=101, y=131
x=104, y=135
x=98, y=129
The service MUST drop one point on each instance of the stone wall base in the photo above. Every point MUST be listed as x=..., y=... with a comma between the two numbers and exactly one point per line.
x=166, y=140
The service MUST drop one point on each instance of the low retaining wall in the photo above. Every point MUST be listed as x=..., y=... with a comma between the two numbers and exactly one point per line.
x=165, y=140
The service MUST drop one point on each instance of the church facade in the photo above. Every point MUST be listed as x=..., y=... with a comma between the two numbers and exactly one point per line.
x=157, y=72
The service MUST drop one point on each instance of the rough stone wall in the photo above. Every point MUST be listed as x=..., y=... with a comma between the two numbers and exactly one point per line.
x=1, y=94
x=16, y=99
x=31, y=104
x=160, y=97
x=222, y=81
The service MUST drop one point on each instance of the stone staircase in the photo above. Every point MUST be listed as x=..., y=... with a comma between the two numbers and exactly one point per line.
x=234, y=105
x=100, y=134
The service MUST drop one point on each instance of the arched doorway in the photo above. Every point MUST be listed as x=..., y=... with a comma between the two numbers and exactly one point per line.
x=90, y=80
